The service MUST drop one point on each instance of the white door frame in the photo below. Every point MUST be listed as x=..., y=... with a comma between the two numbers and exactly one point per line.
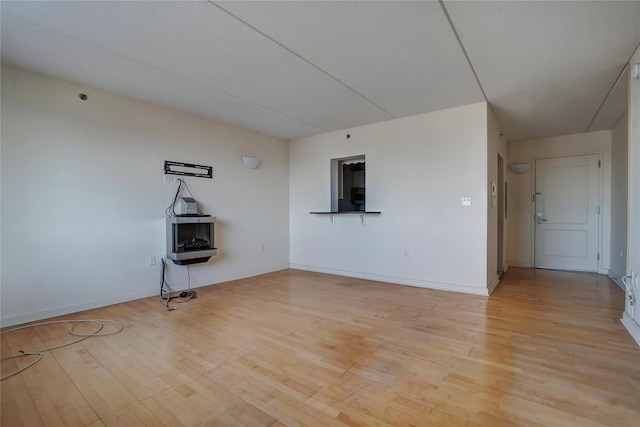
x=600, y=203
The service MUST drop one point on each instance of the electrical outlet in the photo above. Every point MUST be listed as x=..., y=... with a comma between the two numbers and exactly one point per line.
x=466, y=201
x=152, y=260
x=170, y=178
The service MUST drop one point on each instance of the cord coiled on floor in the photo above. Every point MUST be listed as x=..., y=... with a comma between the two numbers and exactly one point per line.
x=40, y=353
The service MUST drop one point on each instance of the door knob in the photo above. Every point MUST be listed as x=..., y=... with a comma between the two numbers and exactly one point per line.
x=539, y=218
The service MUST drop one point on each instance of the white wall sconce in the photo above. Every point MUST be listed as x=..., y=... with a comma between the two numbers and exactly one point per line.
x=250, y=162
x=519, y=168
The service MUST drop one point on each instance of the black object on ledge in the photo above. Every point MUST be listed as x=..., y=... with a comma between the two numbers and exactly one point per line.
x=346, y=213
x=191, y=260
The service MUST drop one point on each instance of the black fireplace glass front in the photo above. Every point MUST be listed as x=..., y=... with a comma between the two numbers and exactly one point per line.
x=192, y=237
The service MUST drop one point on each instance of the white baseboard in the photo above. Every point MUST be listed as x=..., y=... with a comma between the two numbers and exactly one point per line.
x=492, y=288
x=524, y=264
x=89, y=305
x=452, y=287
x=73, y=308
x=617, y=279
x=632, y=326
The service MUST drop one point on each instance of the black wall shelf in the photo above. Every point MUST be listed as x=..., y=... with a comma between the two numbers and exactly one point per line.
x=347, y=213
x=363, y=215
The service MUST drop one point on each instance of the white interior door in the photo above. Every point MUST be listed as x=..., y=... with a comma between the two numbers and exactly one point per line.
x=567, y=213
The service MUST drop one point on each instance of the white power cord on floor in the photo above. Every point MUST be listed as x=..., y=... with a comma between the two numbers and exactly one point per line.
x=630, y=296
x=98, y=322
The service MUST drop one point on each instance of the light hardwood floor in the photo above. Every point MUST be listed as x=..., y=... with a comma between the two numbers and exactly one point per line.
x=298, y=348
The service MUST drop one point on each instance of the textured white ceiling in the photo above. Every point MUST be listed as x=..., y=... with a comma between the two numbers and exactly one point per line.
x=292, y=69
x=402, y=56
x=547, y=66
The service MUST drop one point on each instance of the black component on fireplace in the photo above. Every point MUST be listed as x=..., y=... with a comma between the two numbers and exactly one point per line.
x=191, y=260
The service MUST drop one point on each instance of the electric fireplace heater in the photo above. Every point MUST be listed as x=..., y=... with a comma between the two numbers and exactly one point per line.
x=190, y=239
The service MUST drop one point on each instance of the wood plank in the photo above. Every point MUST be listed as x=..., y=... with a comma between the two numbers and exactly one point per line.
x=301, y=348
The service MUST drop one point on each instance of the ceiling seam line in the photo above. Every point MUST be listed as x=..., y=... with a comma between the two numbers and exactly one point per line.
x=466, y=56
x=618, y=121
x=301, y=58
x=109, y=51
x=615, y=83
x=464, y=50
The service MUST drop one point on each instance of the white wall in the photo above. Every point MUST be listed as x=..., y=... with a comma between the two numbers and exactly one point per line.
x=83, y=197
x=496, y=144
x=417, y=170
x=619, y=195
x=631, y=319
x=520, y=227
